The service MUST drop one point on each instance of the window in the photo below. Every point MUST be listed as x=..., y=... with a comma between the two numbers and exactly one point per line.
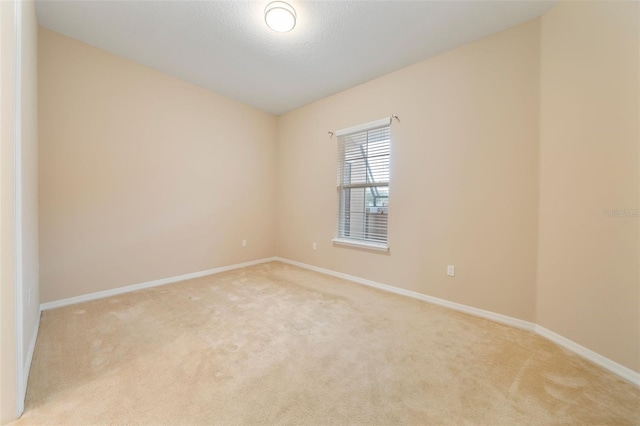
x=363, y=184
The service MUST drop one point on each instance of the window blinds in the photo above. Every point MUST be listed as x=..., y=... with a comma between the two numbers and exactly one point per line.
x=363, y=182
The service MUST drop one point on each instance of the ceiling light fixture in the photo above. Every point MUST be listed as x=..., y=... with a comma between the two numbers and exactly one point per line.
x=280, y=16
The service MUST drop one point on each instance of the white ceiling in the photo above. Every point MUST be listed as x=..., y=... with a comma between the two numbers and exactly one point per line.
x=225, y=46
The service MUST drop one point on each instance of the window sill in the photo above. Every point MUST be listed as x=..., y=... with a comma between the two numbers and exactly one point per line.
x=361, y=244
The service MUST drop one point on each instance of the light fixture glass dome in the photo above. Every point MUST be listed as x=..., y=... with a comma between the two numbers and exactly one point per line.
x=280, y=16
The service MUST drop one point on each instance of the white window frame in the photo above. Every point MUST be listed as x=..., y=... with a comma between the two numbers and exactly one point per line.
x=341, y=239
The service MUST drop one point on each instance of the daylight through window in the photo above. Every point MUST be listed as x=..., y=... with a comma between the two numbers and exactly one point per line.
x=363, y=183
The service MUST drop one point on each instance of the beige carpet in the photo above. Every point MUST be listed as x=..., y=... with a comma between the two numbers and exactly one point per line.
x=275, y=344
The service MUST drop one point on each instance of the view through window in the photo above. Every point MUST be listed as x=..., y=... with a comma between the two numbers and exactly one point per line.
x=363, y=183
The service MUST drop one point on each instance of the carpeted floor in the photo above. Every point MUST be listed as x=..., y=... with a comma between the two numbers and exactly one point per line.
x=276, y=344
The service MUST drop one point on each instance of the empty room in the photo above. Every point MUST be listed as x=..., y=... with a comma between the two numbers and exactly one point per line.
x=319, y=212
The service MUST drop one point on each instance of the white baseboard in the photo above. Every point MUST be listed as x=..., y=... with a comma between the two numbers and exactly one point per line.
x=148, y=284
x=504, y=319
x=596, y=358
x=614, y=367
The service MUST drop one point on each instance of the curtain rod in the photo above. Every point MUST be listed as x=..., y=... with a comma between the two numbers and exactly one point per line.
x=392, y=117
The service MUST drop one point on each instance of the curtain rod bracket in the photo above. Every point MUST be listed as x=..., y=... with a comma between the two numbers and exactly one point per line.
x=330, y=134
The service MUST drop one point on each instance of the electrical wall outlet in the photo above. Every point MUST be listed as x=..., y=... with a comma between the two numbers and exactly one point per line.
x=451, y=270
x=244, y=243
x=315, y=246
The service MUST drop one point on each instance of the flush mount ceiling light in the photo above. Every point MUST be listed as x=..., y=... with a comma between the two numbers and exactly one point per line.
x=280, y=16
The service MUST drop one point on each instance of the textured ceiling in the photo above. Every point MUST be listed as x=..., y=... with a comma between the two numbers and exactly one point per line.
x=225, y=46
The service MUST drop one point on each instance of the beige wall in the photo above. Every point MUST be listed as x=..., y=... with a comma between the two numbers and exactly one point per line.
x=466, y=174
x=144, y=176
x=464, y=187
x=588, y=278
x=8, y=341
